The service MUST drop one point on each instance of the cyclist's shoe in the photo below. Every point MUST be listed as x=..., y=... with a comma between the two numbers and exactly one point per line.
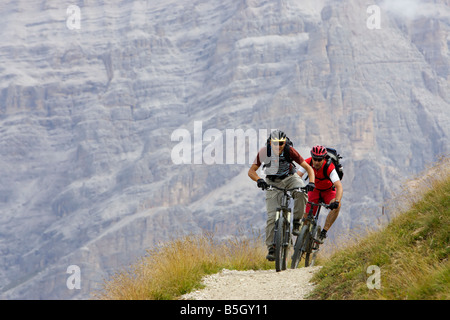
x=271, y=255
x=296, y=227
x=323, y=235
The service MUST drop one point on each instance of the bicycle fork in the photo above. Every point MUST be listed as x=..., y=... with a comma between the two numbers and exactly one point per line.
x=278, y=227
x=287, y=231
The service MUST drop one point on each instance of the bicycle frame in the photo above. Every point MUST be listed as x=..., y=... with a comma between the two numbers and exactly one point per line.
x=282, y=232
x=284, y=205
x=307, y=237
x=311, y=218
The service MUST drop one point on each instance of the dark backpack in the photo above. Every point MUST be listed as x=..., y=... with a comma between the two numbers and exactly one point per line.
x=286, y=152
x=333, y=156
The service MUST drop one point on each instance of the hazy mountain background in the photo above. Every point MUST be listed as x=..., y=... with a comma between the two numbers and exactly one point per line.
x=87, y=116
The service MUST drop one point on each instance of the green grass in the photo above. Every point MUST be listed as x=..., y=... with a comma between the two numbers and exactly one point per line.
x=412, y=253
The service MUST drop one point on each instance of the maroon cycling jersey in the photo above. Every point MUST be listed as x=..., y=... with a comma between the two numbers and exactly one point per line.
x=278, y=166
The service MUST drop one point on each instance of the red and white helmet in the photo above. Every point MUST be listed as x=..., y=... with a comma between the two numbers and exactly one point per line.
x=318, y=152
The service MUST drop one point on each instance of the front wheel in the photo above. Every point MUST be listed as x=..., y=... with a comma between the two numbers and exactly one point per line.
x=299, y=246
x=280, y=248
x=315, y=245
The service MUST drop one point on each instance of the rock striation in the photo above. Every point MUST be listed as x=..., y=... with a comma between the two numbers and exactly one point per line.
x=87, y=115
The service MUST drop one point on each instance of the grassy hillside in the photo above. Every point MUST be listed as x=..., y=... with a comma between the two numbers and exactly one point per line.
x=412, y=254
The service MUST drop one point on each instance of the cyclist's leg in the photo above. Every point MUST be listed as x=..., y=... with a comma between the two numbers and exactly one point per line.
x=294, y=181
x=313, y=196
x=271, y=207
x=327, y=197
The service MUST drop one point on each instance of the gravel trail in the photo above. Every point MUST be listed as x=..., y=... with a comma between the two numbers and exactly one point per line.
x=256, y=285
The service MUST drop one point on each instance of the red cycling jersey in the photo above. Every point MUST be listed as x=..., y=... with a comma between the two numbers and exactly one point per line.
x=322, y=182
x=324, y=187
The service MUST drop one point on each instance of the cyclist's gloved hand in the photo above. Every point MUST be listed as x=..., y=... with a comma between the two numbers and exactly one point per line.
x=262, y=184
x=310, y=186
x=334, y=205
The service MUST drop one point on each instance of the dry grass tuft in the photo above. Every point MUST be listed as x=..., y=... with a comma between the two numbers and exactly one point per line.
x=177, y=267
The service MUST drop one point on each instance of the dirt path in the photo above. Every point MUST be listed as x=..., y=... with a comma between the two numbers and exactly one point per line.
x=256, y=285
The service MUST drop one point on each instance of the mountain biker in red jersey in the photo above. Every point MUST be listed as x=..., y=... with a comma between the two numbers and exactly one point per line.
x=277, y=157
x=328, y=187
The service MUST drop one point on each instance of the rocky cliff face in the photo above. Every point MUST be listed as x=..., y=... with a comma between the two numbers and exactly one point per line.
x=87, y=116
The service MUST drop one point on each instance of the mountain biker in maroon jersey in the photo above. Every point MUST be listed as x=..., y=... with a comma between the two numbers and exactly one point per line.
x=277, y=156
x=328, y=186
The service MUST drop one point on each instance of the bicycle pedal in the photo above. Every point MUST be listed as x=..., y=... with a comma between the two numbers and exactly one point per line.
x=318, y=241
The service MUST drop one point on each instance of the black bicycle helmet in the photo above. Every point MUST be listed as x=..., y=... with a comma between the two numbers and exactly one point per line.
x=277, y=135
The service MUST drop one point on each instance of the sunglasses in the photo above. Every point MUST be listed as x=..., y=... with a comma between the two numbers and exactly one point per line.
x=317, y=159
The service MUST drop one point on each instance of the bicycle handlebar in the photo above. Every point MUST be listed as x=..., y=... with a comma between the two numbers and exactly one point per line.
x=299, y=189
x=323, y=204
